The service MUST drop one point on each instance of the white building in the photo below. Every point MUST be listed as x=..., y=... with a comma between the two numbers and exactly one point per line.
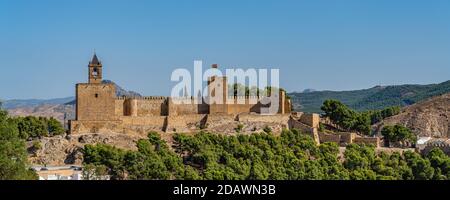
x=59, y=172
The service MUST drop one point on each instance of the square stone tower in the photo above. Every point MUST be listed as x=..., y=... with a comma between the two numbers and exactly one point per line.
x=95, y=100
x=218, y=90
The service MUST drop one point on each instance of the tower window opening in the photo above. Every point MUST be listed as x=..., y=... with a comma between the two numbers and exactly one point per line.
x=95, y=72
x=96, y=95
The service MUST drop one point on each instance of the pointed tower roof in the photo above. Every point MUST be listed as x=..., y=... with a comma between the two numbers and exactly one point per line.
x=95, y=60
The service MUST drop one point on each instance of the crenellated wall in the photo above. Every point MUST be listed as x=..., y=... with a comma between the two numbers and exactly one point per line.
x=144, y=106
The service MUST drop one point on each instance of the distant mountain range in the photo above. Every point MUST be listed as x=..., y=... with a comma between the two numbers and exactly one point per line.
x=22, y=103
x=27, y=103
x=308, y=101
x=374, y=98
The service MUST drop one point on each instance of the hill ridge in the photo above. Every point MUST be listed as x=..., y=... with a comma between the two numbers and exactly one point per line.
x=377, y=97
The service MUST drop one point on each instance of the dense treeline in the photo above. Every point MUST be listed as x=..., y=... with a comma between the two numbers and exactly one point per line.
x=13, y=153
x=31, y=127
x=351, y=120
x=238, y=89
x=290, y=156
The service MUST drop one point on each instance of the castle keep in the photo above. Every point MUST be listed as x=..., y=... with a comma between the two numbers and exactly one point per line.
x=99, y=110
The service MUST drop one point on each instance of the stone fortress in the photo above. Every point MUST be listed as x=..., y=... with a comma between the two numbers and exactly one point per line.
x=99, y=110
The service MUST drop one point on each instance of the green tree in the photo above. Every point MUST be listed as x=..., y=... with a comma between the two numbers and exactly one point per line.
x=110, y=157
x=32, y=127
x=346, y=118
x=54, y=127
x=441, y=163
x=95, y=172
x=420, y=167
x=398, y=134
x=13, y=154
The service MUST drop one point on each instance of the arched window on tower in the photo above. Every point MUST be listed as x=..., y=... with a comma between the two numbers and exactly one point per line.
x=95, y=72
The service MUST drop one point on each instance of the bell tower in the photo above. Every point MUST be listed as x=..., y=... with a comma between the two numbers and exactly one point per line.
x=95, y=99
x=95, y=70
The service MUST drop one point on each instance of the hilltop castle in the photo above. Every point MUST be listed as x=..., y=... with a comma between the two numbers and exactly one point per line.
x=99, y=110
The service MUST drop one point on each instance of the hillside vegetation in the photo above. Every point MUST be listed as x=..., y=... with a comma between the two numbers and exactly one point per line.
x=370, y=99
x=291, y=156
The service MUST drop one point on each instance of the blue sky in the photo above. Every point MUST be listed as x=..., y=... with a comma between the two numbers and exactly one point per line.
x=45, y=45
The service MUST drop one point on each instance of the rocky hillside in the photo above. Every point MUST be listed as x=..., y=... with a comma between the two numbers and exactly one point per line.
x=67, y=150
x=430, y=118
x=59, y=112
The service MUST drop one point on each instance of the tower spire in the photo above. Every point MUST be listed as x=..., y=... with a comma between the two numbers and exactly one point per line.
x=95, y=60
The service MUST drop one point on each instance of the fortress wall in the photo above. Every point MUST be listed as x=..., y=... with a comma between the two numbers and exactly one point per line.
x=186, y=109
x=347, y=137
x=312, y=120
x=238, y=108
x=151, y=107
x=293, y=124
x=119, y=108
x=144, y=106
x=367, y=141
x=187, y=106
x=239, y=105
x=192, y=118
x=147, y=120
x=80, y=127
x=303, y=128
x=185, y=123
x=278, y=118
x=324, y=137
x=143, y=125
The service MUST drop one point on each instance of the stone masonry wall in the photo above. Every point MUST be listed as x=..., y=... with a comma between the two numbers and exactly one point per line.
x=367, y=141
x=324, y=137
x=312, y=120
x=281, y=119
x=95, y=102
x=155, y=106
x=119, y=108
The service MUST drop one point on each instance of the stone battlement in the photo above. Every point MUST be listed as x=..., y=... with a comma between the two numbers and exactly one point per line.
x=142, y=98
